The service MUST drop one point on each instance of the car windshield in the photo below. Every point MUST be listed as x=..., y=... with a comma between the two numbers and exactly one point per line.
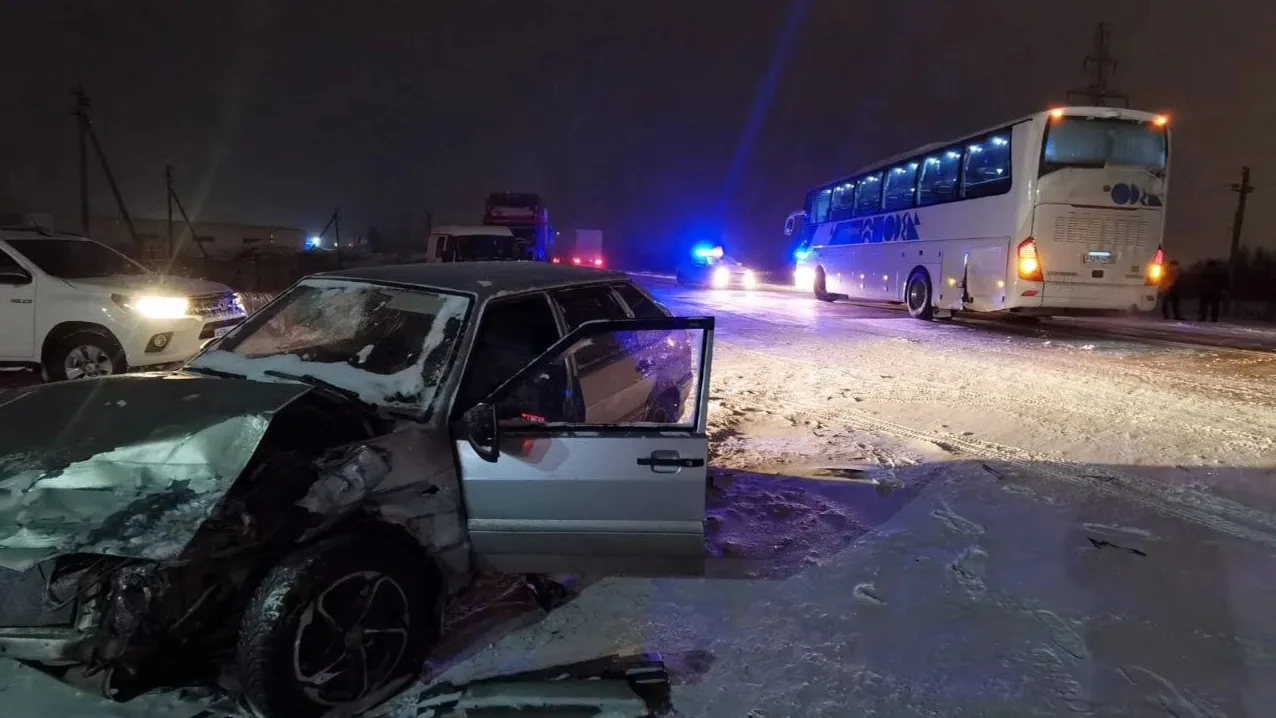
x=1092, y=142
x=76, y=258
x=389, y=346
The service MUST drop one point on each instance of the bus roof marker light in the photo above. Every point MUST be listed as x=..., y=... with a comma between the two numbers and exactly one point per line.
x=1056, y=113
x=1161, y=120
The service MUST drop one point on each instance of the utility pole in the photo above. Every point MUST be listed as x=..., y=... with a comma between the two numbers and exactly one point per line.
x=81, y=113
x=169, y=193
x=1100, y=66
x=86, y=132
x=336, y=232
x=173, y=199
x=1242, y=191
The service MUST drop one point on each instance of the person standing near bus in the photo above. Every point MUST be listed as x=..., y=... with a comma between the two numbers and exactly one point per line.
x=1213, y=286
x=1170, y=291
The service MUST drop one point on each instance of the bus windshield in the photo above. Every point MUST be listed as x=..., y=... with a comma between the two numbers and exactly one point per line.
x=1094, y=143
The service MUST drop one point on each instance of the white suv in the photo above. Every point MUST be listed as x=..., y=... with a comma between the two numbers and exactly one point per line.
x=78, y=308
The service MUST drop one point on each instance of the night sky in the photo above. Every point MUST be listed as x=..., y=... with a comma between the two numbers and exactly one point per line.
x=653, y=120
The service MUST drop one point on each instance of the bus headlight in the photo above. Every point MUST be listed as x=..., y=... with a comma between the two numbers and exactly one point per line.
x=749, y=279
x=804, y=278
x=721, y=277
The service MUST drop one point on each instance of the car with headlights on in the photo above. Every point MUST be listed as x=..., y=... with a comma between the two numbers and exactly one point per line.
x=301, y=501
x=77, y=308
x=710, y=267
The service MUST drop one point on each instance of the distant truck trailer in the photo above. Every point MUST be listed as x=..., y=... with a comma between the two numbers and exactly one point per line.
x=584, y=249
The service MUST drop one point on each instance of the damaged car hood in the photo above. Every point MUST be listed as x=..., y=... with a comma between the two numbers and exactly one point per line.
x=126, y=465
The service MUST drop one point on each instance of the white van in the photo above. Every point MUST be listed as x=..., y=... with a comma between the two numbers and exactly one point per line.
x=474, y=243
x=77, y=308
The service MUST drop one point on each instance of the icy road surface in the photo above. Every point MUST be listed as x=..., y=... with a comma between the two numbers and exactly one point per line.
x=949, y=519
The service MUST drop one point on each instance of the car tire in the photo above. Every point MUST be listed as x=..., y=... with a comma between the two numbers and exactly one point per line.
x=83, y=353
x=821, y=287
x=664, y=409
x=918, y=296
x=314, y=614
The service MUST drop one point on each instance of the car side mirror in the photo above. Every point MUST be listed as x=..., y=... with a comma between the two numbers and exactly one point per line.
x=482, y=431
x=788, y=227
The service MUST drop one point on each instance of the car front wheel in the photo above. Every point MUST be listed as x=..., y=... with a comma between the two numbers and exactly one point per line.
x=84, y=354
x=337, y=627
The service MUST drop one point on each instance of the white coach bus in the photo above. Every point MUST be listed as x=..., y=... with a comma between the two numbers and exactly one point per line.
x=1059, y=212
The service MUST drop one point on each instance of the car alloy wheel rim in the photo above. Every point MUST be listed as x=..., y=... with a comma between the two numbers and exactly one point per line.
x=351, y=639
x=87, y=361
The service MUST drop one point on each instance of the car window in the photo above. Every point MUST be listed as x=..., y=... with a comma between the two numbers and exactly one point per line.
x=588, y=304
x=640, y=304
x=9, y=264
x=513, y=332
x=650, y=379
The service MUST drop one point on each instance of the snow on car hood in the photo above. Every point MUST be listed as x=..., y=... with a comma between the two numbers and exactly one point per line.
x=129, y=283
x=127, y=465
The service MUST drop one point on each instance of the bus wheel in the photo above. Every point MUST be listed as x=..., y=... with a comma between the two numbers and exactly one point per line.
x=821, y=289
x=918, y=296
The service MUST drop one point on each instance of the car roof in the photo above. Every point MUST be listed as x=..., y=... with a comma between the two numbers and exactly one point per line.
x=482, y=279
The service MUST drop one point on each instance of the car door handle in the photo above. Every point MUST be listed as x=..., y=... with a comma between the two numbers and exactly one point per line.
x=663, y=461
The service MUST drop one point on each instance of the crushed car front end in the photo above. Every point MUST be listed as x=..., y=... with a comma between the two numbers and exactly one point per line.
x=134, y=533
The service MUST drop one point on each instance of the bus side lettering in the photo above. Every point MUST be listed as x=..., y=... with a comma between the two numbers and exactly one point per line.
x=901, y=226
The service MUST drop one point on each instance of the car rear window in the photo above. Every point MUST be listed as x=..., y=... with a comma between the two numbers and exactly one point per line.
x=640, y=304
x=588, y=304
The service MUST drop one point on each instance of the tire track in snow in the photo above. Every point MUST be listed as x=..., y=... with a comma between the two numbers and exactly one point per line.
x=1218, y=514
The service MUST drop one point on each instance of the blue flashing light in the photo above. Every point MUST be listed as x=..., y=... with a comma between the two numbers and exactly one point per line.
x=314, y=242
x=707, y=251
x=801, y=254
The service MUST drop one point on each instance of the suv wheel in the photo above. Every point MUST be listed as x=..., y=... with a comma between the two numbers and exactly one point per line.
x=84, y=354
x=337, y=627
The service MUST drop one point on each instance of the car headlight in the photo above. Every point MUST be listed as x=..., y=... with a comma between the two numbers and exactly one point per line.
x=804, y=277
x=749, y=279
x=721, y=277
x=155, y=307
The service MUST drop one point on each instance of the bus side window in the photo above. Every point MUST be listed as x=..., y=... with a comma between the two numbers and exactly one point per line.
x=901, y=182
x=868, y=196
x=987, y=167
x=939, y=175
x=843, y=201
x=820, y=206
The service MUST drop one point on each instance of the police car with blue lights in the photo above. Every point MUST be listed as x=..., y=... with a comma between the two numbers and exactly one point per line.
x=709, y=266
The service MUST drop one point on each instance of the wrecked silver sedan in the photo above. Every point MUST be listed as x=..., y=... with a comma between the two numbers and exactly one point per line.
x=302, y=500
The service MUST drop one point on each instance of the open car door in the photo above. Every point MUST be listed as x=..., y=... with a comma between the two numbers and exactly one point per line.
x=592, y=459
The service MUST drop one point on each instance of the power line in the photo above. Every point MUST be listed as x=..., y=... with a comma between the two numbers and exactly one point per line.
x=1101, y=66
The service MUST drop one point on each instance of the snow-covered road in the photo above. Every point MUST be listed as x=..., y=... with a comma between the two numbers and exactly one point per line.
x=980, y=520
x=956, y=519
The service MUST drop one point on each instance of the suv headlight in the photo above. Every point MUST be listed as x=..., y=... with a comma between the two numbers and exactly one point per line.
x=155, y=307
